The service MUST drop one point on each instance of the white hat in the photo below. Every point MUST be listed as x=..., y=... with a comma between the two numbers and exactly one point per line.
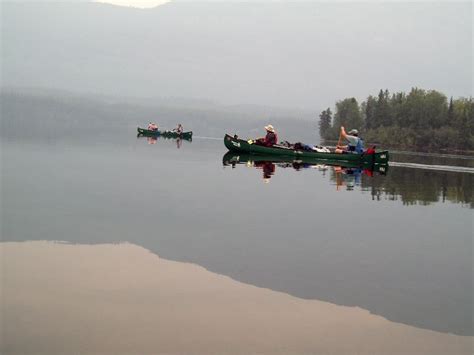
x=353, y=131
x=270, y=128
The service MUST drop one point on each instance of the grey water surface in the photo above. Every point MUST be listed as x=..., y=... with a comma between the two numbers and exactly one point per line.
x=398, y=245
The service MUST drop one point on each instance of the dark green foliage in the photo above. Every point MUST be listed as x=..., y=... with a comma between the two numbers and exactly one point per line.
x=420, y=119
x=325, y=120
x=370, y=108
x=382, y=114
x=347, y=114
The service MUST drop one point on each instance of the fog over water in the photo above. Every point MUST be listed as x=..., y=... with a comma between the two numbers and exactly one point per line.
x=289, y=54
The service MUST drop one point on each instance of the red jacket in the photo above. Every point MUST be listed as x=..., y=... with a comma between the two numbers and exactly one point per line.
x=270, y=139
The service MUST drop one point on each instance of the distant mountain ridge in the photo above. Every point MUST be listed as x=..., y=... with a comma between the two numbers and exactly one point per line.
x=285, y=54
x=52, y=115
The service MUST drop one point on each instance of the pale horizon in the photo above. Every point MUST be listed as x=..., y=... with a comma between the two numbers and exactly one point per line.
x=141, y=4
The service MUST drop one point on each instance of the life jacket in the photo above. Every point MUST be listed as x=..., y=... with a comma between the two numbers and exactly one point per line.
x=370, y=151
x=358, y=148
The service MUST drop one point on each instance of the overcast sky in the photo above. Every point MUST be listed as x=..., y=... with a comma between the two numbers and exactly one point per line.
x=153, y=3
x=293, y=54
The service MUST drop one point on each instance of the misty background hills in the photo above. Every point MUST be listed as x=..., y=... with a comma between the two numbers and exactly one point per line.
x=34, y=115
x=303, y=55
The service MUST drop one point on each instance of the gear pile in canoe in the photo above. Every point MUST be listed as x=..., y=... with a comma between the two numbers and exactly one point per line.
x=166, y=134
x=366, y=158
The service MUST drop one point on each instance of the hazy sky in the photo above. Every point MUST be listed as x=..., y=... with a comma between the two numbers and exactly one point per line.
x=136, y=3
x=152, y=3
x=305, y=54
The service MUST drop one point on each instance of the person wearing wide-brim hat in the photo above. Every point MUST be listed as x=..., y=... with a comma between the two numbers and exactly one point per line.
x=355, y=143
x=269, y=128
x=271, y=137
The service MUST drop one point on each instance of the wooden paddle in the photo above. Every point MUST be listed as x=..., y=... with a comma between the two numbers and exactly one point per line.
x=339, y=141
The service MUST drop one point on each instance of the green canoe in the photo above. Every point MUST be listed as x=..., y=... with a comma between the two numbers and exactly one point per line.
x=238, y=145
x=166, y=134
x=232, y=158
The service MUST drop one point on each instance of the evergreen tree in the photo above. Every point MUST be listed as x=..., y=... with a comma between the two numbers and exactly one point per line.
x=415, y=115
x=464, y=122
x=370, y=107
x=387, y=113
x=435, y=109
x=397, y=109
x=450, y=111
x=382, y=110
x=325, y=120
x=347, y=114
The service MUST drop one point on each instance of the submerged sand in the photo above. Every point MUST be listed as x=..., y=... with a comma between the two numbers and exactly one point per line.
x=121, y=299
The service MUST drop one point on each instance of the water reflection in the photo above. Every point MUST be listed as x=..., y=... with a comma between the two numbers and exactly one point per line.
x=151, y=140
x=422, y=187
x=154, y=139
x=409, y=264
x=345, y=173
x=408, y=185
x=127, y=300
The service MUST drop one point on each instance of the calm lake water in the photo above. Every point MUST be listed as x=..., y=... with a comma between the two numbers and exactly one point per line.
x=395, y=246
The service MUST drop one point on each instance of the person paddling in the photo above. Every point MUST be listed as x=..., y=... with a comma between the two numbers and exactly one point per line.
x=152, y=127
x=355, y=143
x=179, y=129
x=271, y=137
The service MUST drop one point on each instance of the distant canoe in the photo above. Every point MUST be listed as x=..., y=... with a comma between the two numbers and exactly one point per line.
x=242, y=146
x=166, y=134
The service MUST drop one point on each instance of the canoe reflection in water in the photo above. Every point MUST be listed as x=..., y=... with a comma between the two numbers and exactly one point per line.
x=153, y=140
x=346, y=173
x=350, y=177
x=268, y=169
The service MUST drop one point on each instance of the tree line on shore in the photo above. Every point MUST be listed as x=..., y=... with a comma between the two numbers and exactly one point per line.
x=421, y=119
